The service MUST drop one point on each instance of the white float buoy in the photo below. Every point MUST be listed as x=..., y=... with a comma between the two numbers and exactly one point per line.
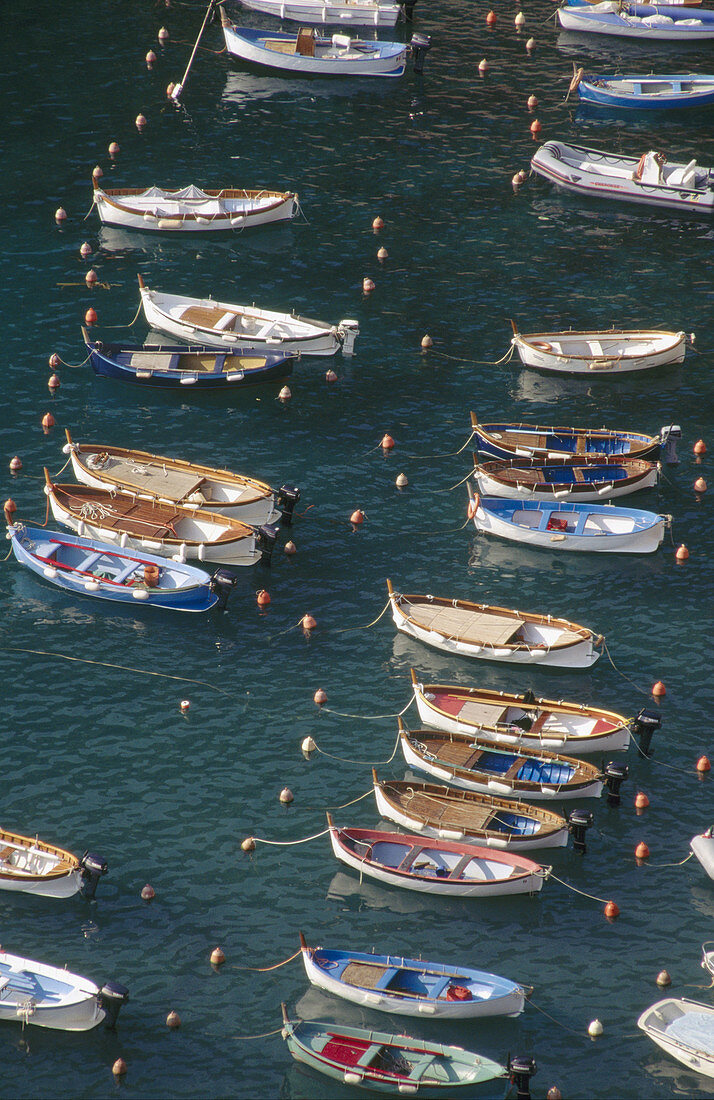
x=308, y=745
x=595, y=1029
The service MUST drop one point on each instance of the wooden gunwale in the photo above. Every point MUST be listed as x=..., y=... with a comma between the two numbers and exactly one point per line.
x=68, y=861
x=531, y=431
x=528, y=338
x=111, y=195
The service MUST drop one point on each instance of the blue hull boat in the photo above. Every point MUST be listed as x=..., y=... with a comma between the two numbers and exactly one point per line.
x=178, y=366
x=87, y=567
x=652, y=22
x=513, y=440
x=639, y=92
x=411, y=987
x=561, y=525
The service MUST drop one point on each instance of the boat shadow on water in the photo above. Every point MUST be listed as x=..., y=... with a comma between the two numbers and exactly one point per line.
x=539, y=387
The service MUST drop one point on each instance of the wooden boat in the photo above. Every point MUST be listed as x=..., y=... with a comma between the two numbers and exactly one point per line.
x=494, y=633
x=449, y=814
x=610, y=351
x=222, y=325
x=175, y=481
x=36, y=993
x=307, y=53
x=173, y=366
x=649, y=180
x=31, y=866
x=447, y=867
x=380, y=1062
x=520, y=720
x=702, y=845
x=563, y=525
x=648, y=92
x=89, y=567
x=491, y=767
x=357, y=13
x=571, y=478
x=650, y=22
x=534, y=441
x=191, y=209
x=167, y=530
x=684, y=1029
x=412, y=987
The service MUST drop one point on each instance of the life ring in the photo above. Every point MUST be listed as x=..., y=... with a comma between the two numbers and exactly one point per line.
x=473, y=506
x=541, y=345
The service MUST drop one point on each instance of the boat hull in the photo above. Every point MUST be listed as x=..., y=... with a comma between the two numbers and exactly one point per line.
x=647, y=93
x=599, y=353
x=355, y=12
x=581, y=18
x=385, y=59
x=517, y=482
x=183, y=367
x=167, y=213
x=536, y=442
x=46, y=996
x=675, y=1025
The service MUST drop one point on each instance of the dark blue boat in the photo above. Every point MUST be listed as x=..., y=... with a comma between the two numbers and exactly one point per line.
x=650, y=92
x=504, y=440
x=174, y=366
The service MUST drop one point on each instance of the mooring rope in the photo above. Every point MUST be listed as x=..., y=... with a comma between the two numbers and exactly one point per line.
x=263, y=1035
x=592, y=897
x=342, y=629
x=265, y=969
x=637, y=687
x=289, y=843
x=367, y=717
x=451, y=454
x=365, y=763
x=123, y=668
x=558, y=1022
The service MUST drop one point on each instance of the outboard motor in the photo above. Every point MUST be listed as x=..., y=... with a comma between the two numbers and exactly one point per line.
x=579, y=821
x=91, y=869
x=111, y=997
x=643, y=727
x=267, y=534
x=521, y=1070
x=668, y=437
x=287, y=498
x=524, y=722
x=348, y=331
x=420, y=46
x=222, y=584
x=615, y=775
x=409, y=6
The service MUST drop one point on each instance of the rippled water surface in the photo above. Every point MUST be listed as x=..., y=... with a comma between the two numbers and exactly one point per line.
x=97, y=752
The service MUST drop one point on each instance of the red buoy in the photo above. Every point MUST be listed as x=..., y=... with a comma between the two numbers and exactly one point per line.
x=148, y=893
x=368, y=285
x=357, y=517
x=90, y=317
x=263, y=598
x=9, y=508
x=682, y=553
x=642, y=851
x=659, y=689
x=641, y=801
x=308, y=623
x=48, y=421
x=387, y=442
x=611, y=910
x=290, y=548
x=53, y=382
x=700, y=448
x=320, y=697
x=330, y=375
x=491, y=18
x=119, y=1067
x=703, y=765
x=535, y=126
x=700, y=485
x=378, y=223
x=15, y=464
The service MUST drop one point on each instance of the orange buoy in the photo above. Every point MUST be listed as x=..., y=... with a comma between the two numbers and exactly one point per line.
x=401, y=482
x=97, y=173
x=285, y=394
x=163, y=34
x=290, y=548
x=9, y=508
x=611, y=910
x=15, y=464
x=700, y=485
x=248, y=845
x=491, y=18
x=641, y=801
x=286, y=796
x=700, y=447
x=357, y=517
x=185, y=705
x=91, y=277
x=263, y=598
x=387, y=442
x=378, y=223
x=368, y=285
x=426, y=342
x=659, y=689
x=54, y=360
x=140, y=122
x=703, y=765
x=113, y=148
x=535, y=126
x=60, y=214
x=554, y=1093
x=90, y=317
x=682, y=553
x=308, y=623
x=330, y=375
x=532, y=103
x=148, y=893
x=53, y=382
x=85, y=250
x=173, y=1020
x=217, y=957
x=119, y=1067
x=642, y=851
x=663, y=979
x=483, y=65
x=150, y=58
x=48, y=421
x=530, y=44
x=320, y=697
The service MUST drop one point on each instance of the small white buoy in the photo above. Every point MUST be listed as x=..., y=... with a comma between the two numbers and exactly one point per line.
x=401, y=481
x=119, y=1068
x=377, y=223
x=140, y=122
x=217, y=957
x=148, y=893
x=530, y=44
x=520, y=20
x=308, y=745
x=15, y=464
x=248, y=845
x=163, y=34
x=308, y=623
x=60, y=214
x=320, y=697
x=286, y=796
x=285, y=394
x=290, y=548
x=185, y=704
x=382, y=254
x=91, y=277
x=53, y=382
x=85, y=250
x=426, y=342
x=330, y=375
x=595, y=1029
x=173, y=1020
x=150, y=58
x=368, y=285
x=113, y=148
x=483, y=65
x=97, y=173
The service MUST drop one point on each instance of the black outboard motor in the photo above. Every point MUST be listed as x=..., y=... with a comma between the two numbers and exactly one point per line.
x=524, y=722
x=91, y=869
x=615, y=775
x=420, y=46
x=267, y=534
x=222, y=584
x=111, y=997
x=288, y=496
x=644, y=726
x=521, y=1070
x=668, y=438
x=409, y=6
x=579, y=821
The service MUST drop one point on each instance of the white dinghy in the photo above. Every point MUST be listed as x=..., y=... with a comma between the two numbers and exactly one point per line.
x=360, y=13
x=191, y=209
x=36, y=993
x=684, y=1029
x=598, y=351
x=29, y=865
x=222, y=325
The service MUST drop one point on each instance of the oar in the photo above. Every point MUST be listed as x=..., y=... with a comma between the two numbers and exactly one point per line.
x=178, y=88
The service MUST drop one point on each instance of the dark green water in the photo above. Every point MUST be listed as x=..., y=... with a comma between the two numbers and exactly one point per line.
x=99, y=754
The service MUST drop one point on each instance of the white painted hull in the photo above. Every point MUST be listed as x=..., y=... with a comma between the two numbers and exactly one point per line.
x=65, y=887
x=242, y=551
x=361, y=13
x=509, y=1005
x=703, y=848
x=489, y=486
x=494, y=786
x=666, y=1023
x=165, y=214
x=609, y=534
x=580, y=655
x=600, y=353
x=75, y=1005
x=578, y=20
x=332, y=61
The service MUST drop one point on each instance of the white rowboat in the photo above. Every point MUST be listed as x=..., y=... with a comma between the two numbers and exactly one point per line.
x=610, y=351
x=684, y=1029
x=191, y=209
x=308, y=54
x=36, y=993
x=361, y=13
